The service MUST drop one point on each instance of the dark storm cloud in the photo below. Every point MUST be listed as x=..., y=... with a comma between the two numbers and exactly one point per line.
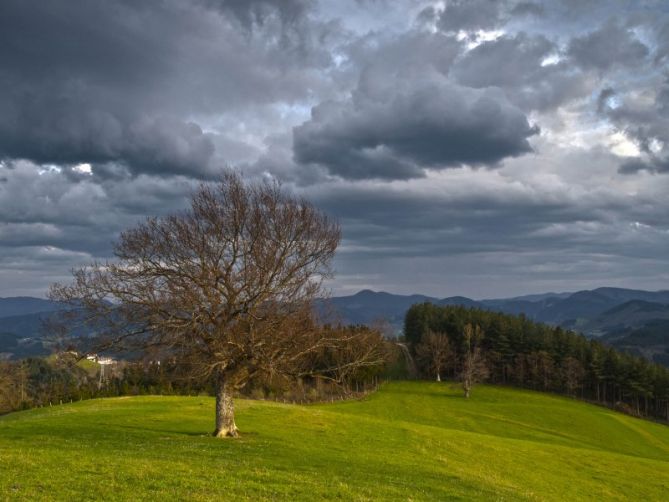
x=66, y=133
x=528, y=9
x=71, y=77
x=397, y=129
x=508, y=61
x=52, y=222
x=130, y=89
x=518, y=65
x=83, y=215
x=482, y=216
x=416, y=51
x=251, y=12
x=379, y=111
x=115, y=81
x=652, y=165
x=608, y=46
x=476, y=15
x=471, y=15
x=662, y=51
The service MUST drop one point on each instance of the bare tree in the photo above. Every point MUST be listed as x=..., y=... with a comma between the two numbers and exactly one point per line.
x=573, y=373
x=226, y=285
x=347, y=354
x=434, y=353
x=474, y=368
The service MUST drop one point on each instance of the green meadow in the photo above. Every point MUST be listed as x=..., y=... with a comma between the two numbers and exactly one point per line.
x=408, y=441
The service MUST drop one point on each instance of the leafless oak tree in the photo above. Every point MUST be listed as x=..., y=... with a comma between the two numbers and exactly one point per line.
x=227, y=285
x=474, y=368
x=434, y=353
x=573, y=373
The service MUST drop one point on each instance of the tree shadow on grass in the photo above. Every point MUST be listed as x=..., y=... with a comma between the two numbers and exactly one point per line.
x=203, y=433
x=159, y=430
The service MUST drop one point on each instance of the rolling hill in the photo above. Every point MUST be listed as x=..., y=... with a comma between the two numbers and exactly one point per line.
x=22, y=305
x=409, y=441
x=630, y=315
x=21, y=320
x=650, y=340
x=21, y=336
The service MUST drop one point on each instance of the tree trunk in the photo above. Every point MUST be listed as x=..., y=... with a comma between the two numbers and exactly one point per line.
x=225, y=411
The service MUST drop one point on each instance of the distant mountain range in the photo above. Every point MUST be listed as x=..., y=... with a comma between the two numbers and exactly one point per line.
x=633, y=320
x=565, y=309
x=21, y=305
x=21, y=321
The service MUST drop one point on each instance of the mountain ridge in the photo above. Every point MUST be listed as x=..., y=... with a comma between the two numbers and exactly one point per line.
x=631, y=320
x=557, y=309
x=610, y=313
x=24, y=305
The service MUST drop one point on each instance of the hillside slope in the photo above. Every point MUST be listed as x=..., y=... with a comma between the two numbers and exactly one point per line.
x=627, y=316
x=416, y=441
x=24, y=305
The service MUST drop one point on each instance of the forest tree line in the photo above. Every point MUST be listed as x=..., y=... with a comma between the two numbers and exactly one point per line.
x=513, y=350
x=445, y=342
x=352, y=365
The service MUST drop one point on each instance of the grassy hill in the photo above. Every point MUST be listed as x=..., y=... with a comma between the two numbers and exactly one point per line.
x=409, y=441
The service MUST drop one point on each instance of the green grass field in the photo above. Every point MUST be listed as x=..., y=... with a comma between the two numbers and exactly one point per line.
x=409, y=441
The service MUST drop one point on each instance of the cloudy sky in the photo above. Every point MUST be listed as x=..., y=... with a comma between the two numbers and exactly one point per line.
x=483, y=148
